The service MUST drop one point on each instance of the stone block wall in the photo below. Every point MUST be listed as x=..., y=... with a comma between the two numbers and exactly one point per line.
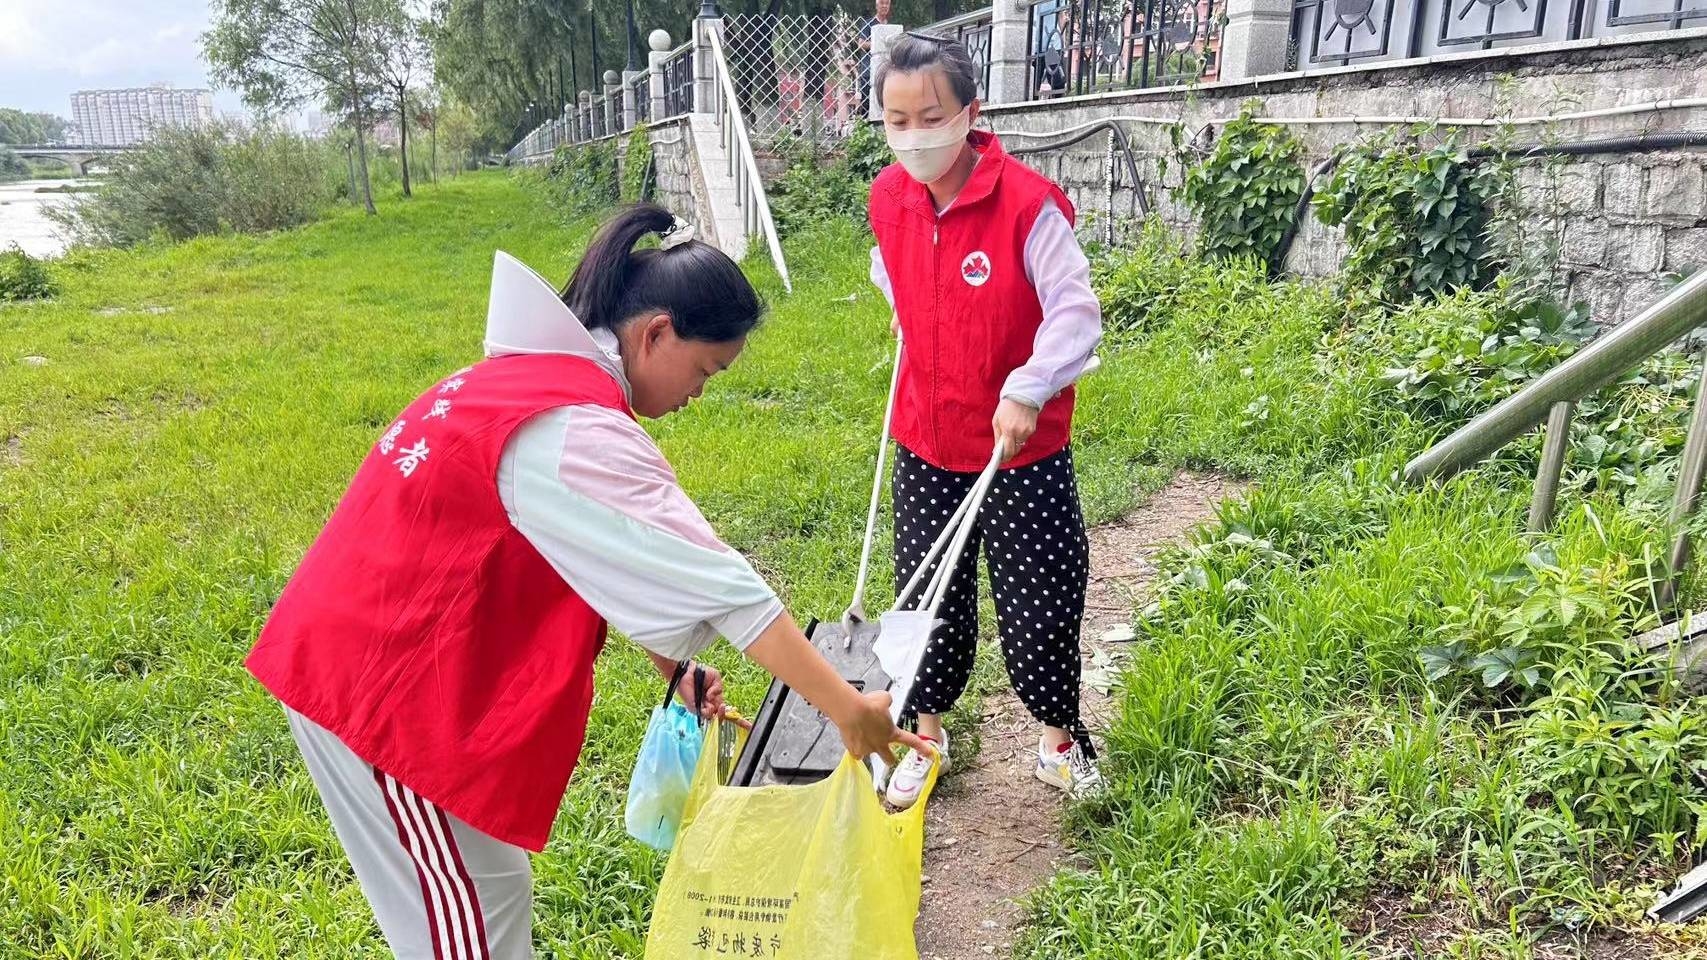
x=1625, y=221
x=672, y=157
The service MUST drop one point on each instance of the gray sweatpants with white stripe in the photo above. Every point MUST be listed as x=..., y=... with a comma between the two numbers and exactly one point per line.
x=440, y=889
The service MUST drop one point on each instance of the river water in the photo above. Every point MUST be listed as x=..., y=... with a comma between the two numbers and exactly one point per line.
x=23, y=220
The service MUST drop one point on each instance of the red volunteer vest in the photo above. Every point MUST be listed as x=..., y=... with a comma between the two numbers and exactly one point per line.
x=425, y=632
x=968, y=312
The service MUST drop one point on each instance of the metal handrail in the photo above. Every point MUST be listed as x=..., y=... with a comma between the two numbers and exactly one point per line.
x=743, y=165
x=981, y=15
x=1600, y=363
x=1553, y=397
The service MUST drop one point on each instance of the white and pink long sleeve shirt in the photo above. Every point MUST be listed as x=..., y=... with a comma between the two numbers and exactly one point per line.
x=589, y=488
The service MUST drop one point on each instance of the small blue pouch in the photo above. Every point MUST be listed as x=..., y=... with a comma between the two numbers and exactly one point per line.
x=663, y=773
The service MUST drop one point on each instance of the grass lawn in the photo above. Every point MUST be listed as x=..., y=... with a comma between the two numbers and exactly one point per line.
x=1280, y=762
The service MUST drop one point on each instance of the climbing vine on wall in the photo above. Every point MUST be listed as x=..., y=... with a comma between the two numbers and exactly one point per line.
x=636, y=160
x=581, y=178
x=1416, y=219
x=1246, y=190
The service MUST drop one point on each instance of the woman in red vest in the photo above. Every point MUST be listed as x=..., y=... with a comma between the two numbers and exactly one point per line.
x=992, y=298
x=434, y=650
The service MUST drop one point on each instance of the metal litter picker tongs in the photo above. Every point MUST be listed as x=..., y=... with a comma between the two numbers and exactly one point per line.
x=904, y=634
x=791, y=742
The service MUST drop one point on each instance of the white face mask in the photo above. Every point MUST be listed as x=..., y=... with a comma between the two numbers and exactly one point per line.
x=926, y=154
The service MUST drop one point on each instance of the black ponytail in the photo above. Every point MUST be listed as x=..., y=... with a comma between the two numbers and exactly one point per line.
x=703, y=291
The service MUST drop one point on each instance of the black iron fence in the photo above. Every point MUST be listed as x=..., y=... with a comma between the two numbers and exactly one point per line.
x=1085, y=46
x=972, y=31
x=1343, y=32
x=678, y=81
x=641, y=86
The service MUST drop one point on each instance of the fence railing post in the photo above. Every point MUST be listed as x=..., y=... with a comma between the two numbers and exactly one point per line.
x=1009, y=60
x=630, y=99
x=585, y=111
x=659, y=42
x=1254, y=41
x=882, y=35
x=704, y=68
x=613, y=102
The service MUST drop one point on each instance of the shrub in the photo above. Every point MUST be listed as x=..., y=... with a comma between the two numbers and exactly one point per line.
x=1456, y=357
x=582, y=179
x=1246, y=191
x=189, y=182
x=1417, y=220
x=1140, y=285
x=23, y=277
x=812, y=191
x=1451, y=359
x=12, y=166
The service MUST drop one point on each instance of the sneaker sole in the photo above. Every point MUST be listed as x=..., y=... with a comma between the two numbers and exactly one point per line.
x=1048, y=778
x=903, y=804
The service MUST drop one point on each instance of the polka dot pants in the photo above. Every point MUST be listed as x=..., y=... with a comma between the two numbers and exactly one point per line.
x=1032, y=534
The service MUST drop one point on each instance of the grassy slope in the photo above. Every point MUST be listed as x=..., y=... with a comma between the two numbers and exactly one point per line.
x=200, y=410
x=172, y=466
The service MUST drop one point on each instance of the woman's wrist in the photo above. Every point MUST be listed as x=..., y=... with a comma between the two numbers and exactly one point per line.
x=664, y=665
x=846, y=705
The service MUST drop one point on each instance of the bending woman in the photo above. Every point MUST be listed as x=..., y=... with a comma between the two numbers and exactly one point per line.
x=434, y=651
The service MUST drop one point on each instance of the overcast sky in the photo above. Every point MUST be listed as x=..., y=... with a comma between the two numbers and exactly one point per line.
x=50, y=48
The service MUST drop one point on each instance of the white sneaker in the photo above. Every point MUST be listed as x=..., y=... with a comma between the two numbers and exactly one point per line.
x=909, y=778
x=1069, y=768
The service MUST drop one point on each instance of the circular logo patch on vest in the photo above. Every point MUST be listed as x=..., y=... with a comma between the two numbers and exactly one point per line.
x=975, y=269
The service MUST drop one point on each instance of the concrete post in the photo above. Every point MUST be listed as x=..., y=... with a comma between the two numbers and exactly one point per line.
x=659, y=42
x=1010, y=61
x=882, y=35
x=613, y=102
x=631, y=99
x=1253, y=43
x=586, y=112
x=704, y=68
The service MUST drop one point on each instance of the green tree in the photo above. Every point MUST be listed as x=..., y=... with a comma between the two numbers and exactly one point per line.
x=17, y=126
x=403, y=58
x=12, y=166
x=281, y=53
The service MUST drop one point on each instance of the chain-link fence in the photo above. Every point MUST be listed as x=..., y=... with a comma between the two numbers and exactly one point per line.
x=799, y=76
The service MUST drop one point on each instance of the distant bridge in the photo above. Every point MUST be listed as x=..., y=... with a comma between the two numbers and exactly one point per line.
x=78, y=156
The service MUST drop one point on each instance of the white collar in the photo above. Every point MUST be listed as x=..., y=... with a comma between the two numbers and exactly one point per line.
x=526, y=316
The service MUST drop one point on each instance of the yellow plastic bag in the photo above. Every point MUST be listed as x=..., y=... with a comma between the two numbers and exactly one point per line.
x=816, y=872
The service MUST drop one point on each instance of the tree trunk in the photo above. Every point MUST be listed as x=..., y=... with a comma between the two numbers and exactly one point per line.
x=403, y=136
x=350, y=168
x=356, y=104
x=361, y=143
x=435, y=141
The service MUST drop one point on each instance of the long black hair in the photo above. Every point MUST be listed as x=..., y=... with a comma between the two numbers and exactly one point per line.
x=703, y=291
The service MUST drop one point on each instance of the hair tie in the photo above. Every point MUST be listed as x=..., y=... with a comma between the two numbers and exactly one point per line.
x=680, y=232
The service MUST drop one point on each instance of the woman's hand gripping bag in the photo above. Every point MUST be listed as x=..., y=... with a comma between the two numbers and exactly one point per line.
x=816, y=872
x=664, y=771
